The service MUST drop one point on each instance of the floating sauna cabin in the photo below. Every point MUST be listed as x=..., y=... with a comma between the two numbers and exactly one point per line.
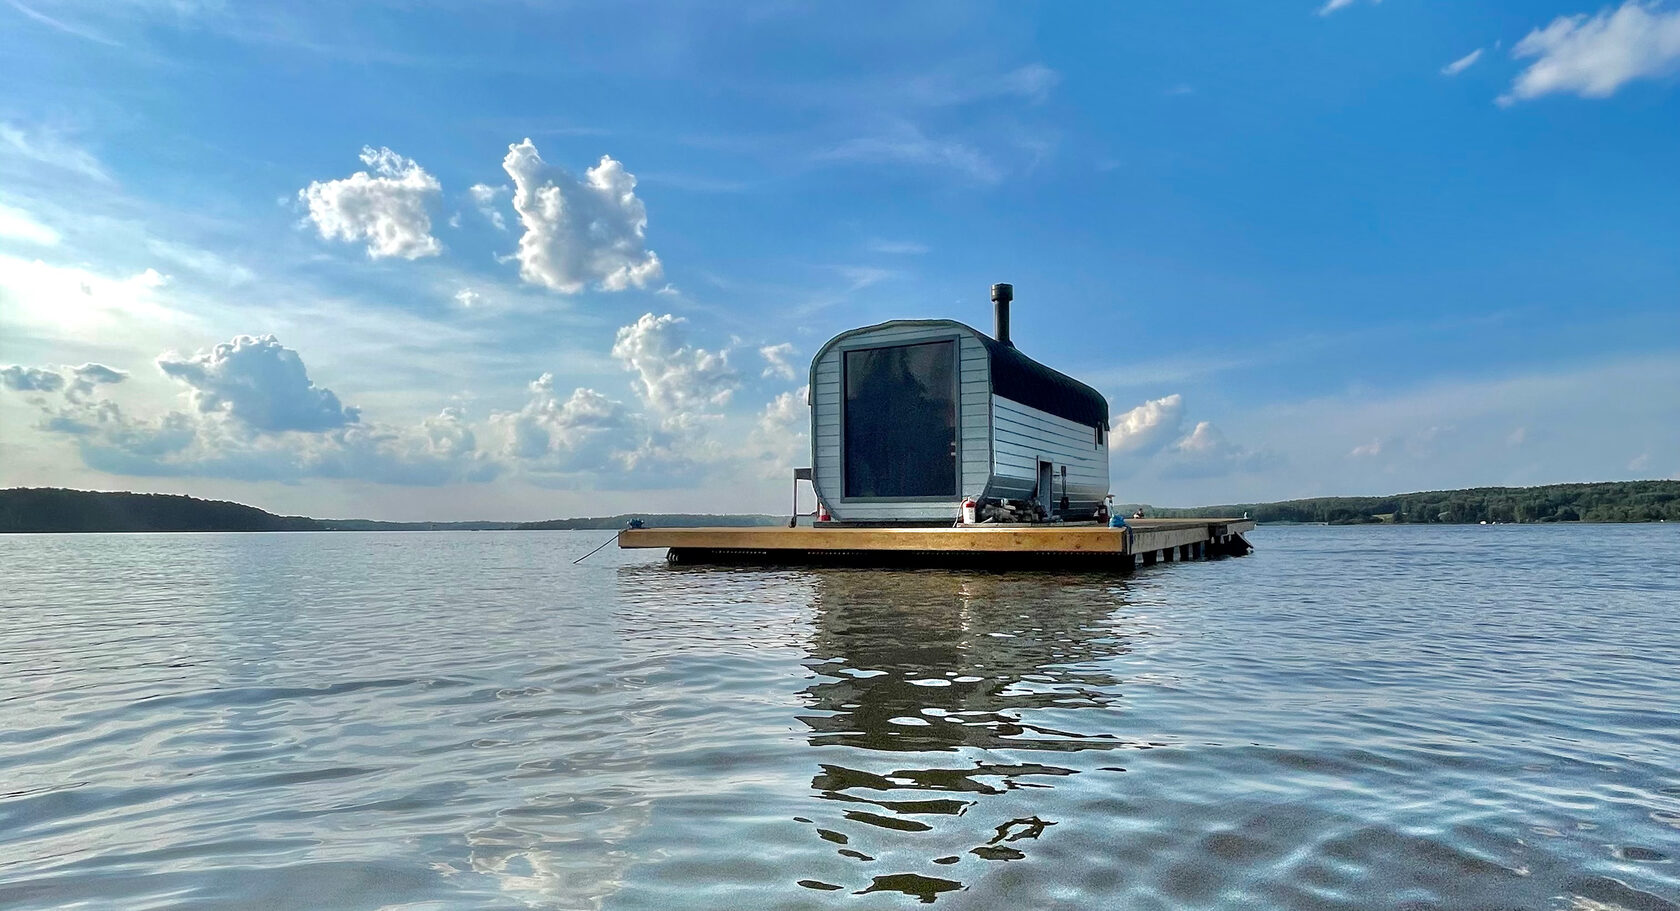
x=911, y=417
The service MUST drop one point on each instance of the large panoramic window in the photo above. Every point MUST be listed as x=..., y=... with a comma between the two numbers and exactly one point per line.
x=901, y=421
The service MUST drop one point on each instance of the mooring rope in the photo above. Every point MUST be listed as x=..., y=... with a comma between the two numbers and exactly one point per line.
x=596, y=550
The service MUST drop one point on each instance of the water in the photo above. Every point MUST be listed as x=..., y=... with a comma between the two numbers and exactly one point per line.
x=1349, y=718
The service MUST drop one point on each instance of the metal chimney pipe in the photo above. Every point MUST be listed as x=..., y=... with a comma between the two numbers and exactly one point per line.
x=1002, y=294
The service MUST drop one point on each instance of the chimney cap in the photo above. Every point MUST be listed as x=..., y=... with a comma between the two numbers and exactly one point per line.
x=1003, y=292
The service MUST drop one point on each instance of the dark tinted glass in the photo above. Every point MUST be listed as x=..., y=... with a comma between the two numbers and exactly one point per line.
x=901, y=421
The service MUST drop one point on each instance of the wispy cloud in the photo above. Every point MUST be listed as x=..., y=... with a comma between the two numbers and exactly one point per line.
x=1462, y=63
x=897, y=247
x=908, y=145
x=49, y=148
x=1332, y=6
x=65, y=27
x=1032, y=82
x=1594, y=56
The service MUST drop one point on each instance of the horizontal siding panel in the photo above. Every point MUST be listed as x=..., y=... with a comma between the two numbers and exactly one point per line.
x=1075, y=433
x=1072, y=452
x=1022, y=436
x=1076, y=436
x=1035, y=418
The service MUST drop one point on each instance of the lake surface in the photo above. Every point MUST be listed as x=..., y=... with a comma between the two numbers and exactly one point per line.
x=1467, y=717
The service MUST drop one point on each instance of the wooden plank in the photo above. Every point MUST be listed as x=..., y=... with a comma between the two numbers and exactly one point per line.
x=974, y=539
x=1141, y=536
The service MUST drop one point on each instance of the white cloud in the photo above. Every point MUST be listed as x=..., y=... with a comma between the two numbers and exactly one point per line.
x=85, y=378
x=30, y=379
x=1593, y=57
x=1032, y=82
x=218, y=442
x=16, y=224
x=49, y=148
x=1462, y=63
x=584, y=432
x=579, y=233
x=1375, y=447
x=387, y=207
x=897, y=247
x=590, y=439
x=1145, y=429
x=777, y=359
x=781, y=439
x=1206, y=453
x=905, y=144
x=1333, y=5
x=77, y=383
x=202, y=262
x=484, y=197
x=673, y=378
x=79, y=302
x=259, y=383
x=467, y=297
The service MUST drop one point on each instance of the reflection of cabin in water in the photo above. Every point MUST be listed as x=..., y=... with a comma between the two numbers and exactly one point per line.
x=910, y=417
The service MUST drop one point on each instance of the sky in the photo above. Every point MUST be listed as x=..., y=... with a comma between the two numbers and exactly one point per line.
x=440, y=259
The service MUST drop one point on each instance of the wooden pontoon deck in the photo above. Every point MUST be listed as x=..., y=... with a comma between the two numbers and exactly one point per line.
x=1095, y=546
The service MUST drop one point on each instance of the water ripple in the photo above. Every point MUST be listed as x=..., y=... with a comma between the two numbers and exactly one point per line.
x=1350, y=718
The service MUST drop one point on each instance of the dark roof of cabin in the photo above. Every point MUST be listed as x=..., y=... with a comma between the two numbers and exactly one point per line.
x=1014, y=376
x=1021, y=379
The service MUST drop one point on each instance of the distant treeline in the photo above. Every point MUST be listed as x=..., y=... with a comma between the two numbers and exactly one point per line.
x=58, y=510
x=377, y=525
x=55, y=509
x=52, y=509
x=1614, y=501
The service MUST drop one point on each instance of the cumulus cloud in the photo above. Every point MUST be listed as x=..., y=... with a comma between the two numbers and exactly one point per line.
x=1594, y=56
x=30, y=379
x=1462, y=63
x=589, y=437
x=485, y=197
x=260, y=383
x=586, y=431
x=778, y=360
x=83, y=379
x=386, y=207
x=77, y=383
x=674, y=378
x=579, y=232
x=1144, y=430
x=16, y=224
x=256, y=419
x=82, y=302
x=1206, y=453
x=781, y=437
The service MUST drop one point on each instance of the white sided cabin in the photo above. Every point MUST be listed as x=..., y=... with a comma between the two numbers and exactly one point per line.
x=910, y=417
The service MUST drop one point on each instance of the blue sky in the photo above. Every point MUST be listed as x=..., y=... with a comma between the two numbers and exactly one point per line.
x=516, y=260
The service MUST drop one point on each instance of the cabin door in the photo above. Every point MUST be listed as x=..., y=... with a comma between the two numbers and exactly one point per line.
x=1046, y=486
